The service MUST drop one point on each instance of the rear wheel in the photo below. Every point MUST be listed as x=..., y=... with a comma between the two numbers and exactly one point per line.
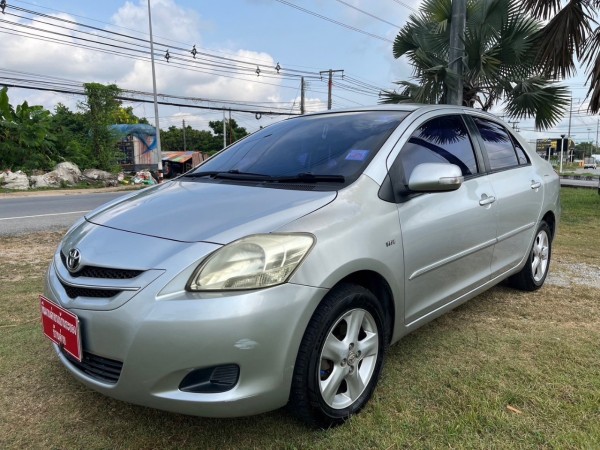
x=533, y=274
x=340, y=358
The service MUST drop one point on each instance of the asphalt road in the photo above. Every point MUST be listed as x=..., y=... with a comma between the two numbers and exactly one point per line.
x=22, y=215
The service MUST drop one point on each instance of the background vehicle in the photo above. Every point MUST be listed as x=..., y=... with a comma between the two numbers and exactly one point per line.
x=589, y=163
x=279, y=271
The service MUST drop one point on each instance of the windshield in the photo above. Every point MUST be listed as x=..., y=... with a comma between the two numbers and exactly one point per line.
x=331, y=148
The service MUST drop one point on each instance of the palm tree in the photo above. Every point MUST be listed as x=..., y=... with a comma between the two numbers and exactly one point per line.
x=569, y=33
x=499, y=63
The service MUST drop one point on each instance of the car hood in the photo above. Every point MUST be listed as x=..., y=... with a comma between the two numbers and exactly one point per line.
x=193, y=211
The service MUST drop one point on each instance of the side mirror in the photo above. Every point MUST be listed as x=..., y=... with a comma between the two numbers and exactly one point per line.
x=435, y=177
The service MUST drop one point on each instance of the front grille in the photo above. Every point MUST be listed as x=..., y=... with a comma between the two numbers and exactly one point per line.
x=101, y=369
x=74, y=292
x=102, y=272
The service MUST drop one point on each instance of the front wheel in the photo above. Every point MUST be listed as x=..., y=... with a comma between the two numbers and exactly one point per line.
x=533, y=274
x=340, y=357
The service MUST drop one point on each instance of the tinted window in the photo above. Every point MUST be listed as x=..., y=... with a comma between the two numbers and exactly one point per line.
x=521, y=155
x=440, y=140
x=498, y=144
x=332, y=144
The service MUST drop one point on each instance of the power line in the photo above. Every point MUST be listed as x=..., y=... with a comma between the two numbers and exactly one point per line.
x=145, y=58
x=141, y=55
x=127, y=46
x=341, y=24
x=161, y=102
x=368, y=14
x=192, y=49
x=406, y=6
x=254, y=60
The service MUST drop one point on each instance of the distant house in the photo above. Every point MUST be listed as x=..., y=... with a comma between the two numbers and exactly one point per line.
x=138, y=146
x=176, y=163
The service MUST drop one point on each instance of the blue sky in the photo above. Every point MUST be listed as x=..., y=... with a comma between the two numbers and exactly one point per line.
x=258, y=31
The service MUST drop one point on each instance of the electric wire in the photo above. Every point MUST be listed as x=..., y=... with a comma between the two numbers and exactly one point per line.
x=216, y=65
x=328, y=19
x=254, y=60
x=368, y=13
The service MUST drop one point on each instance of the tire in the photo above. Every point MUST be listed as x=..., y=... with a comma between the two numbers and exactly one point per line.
x=533, y=274
x=340, y=357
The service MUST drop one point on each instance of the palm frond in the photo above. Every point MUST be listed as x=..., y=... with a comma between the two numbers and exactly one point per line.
x=539, y=98
x=592, y=61
x=439, y=13
x=562, y=37
x=429, y=92
x=542, y=9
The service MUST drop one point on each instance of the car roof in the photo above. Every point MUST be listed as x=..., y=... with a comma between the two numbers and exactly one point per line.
x=406, y=107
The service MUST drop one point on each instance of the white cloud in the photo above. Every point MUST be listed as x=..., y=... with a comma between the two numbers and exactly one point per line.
x=169, y=20
x=36, y=54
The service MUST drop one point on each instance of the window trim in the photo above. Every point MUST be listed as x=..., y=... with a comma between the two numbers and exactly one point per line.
x=395, y=174
x=483, y=148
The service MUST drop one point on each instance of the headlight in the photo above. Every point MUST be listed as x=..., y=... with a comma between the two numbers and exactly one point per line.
x=252, y=262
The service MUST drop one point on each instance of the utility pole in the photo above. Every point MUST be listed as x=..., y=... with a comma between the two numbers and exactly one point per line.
x=562, y=146
x=156, y=121
x=597, y=126
x=302, y=93
x=230, y=129
x=569, y=132
x=184, y=143
x=456, y=51
x=224, y=131
x=330, y=84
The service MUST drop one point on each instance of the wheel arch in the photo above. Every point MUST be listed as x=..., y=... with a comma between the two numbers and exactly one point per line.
x=550, y=219
x=379, y=286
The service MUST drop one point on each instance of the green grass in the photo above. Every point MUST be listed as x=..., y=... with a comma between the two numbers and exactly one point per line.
x=579, y=229
x=506, y=370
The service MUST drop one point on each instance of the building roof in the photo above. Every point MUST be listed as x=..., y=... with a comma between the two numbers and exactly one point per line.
x=178, y=157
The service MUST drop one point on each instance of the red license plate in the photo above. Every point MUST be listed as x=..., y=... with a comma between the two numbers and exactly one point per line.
x=61, y=327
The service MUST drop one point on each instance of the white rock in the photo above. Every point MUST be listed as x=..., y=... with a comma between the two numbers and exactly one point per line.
x=50, y=179
x=67, y=172
x=107, y=178
x=97, y=174
x=14, y=180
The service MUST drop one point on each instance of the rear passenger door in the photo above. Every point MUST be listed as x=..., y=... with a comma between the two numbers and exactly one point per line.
x=448, y=237
x=518, y=191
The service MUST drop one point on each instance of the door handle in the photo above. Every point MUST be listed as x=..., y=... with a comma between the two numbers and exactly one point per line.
x=486, y=200
x=535, y=184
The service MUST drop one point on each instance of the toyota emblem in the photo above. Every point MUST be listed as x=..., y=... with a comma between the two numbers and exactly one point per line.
x=73, y=260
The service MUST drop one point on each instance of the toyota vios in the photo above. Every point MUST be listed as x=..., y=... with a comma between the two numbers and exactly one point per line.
x=279, y=271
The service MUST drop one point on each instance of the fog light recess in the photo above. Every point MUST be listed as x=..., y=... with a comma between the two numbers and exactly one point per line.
x=211, y=380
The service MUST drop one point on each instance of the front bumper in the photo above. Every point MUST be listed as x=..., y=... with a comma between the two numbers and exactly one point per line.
x=161, y=334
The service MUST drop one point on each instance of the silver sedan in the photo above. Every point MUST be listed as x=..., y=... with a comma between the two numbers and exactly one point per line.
x=280, y=270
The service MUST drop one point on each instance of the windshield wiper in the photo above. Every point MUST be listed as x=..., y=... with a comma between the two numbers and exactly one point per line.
x=307, y=177
x=303, y=177
x=233, y=174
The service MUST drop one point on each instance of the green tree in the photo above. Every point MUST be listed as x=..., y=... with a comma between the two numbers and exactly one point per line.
x=26, y=140
x=570, y=33
x=198, y=140
x=101, y=110
x=72, y=143
x=125, y=115
x=234, y=132
x=499, y=63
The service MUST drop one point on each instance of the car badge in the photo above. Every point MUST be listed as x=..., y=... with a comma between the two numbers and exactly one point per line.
x=73, y=260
